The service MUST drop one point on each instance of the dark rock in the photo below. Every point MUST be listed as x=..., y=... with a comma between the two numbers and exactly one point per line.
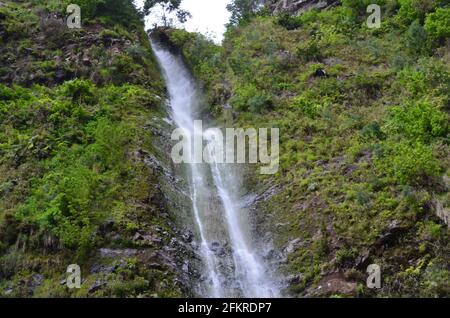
x=362, y=260
x=214, y=246
x=37, y=279
x=218, y=249
x=96, y=286
x=320, y=73
x=107, y=226
x=391, y=233
x=107, y=252
x=294, y=279
x=188, y=236
x=102, y=269
x=86, y=61
x=146, y=239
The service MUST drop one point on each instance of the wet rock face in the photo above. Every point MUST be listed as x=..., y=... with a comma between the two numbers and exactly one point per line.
x=298, y=6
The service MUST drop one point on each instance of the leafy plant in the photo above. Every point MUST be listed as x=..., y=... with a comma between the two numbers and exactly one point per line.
x=437, y=24
x=409, y=163
x=419, y=121
x=250, y=98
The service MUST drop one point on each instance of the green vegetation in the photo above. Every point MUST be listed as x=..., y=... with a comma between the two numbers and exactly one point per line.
x=364, y=122
x=364, y=127
x=74, y=107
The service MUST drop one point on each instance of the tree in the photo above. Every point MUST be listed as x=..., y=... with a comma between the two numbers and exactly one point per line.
x=168, y=6
x=242, y=10
x=437, y=24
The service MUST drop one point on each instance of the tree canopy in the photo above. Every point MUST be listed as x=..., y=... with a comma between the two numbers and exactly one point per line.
x=242, y=9
x=167, y=6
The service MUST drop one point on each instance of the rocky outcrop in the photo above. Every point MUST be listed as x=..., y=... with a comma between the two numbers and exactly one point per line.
x=334, y=284
x=298, y=6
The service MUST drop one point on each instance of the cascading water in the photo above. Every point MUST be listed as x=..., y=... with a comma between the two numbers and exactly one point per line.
x=231, y=268
x=249, y=271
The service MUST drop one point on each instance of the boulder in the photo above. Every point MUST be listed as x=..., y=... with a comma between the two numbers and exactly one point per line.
x=334, y=284
x=390, y=234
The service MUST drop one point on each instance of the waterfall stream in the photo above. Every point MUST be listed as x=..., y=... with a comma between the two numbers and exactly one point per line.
x=232, y=266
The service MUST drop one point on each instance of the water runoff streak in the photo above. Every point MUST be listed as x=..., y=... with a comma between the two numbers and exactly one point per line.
x=232, y=268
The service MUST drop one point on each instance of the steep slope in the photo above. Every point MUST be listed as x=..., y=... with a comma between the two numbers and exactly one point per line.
x=364, y=123
x=81, y=141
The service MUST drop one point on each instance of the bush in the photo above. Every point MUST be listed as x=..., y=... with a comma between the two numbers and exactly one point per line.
x=289, y=22
x=138, y=53
x=121, y=11
x=309, y=50
x=123, y=66
x=250, y=98
x=416, y=37
x=409, y=163
x=179, y=37
x=61, y=205
x=88, y=7
x=259, y=103
x=431, y=76
x=437, y=24
x=108, y=34
x=414, y=80
x=307, y=106
x=411, y=10
x=80, y=91
x=372, y=131
x=420, y=121
x=361, y=5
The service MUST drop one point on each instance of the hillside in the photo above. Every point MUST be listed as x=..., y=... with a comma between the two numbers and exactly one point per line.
x=86, y=176
x=364, y=124
x=77, y=135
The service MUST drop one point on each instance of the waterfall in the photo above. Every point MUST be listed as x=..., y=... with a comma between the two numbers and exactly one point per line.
x=232, y=268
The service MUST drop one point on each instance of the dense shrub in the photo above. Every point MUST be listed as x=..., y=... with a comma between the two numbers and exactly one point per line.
x=361, y=5
x=79, y=91
x=248, y=97
x=309, y=50
x=88, y=7
x=411, y=10
x=289, y=22
x=409, y=163
x=430, y=76
x=75, y=134
x=437, y=24
x=373, y=131
x=420, y=121
x=416, y=37
x=119, y=11
x=309, y=107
